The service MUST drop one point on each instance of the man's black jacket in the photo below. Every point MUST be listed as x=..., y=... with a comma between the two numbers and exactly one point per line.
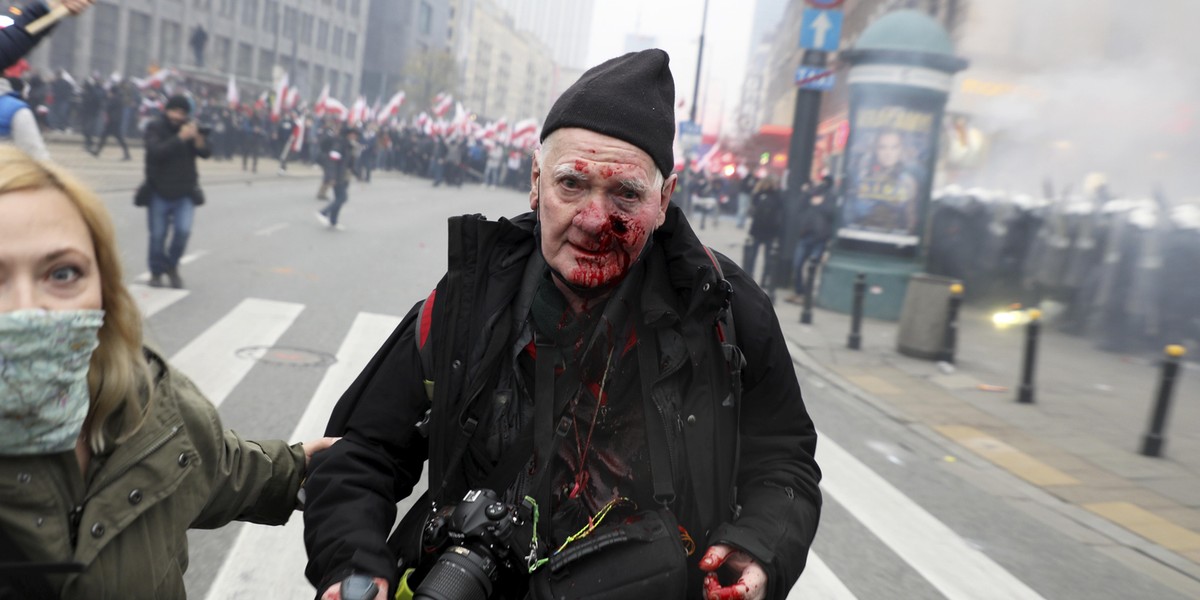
x=170, y=161
x=769, y=509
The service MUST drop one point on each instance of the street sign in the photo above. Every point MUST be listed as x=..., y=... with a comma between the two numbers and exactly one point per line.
x=815, y=78
x=690, y=134
x=820, y=29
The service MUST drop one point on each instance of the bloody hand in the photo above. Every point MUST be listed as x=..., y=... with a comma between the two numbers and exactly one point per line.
x=752, y=579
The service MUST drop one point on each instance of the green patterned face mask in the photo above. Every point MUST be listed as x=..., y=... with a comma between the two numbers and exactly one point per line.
x=44, y=358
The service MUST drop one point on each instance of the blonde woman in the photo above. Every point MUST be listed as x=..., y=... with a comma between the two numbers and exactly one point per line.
x=107, y=455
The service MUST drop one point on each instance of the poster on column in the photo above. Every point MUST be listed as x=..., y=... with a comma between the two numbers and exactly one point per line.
x=888, y=172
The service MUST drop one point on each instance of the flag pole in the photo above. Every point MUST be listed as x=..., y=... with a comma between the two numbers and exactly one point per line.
x=44, y=22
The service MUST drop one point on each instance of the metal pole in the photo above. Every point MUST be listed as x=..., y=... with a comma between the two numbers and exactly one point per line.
x=1152, y=442
x=854, y=342
x=805, y=119
x=950, y=341
x=699, y=62
x=810, y=280
x=1025, y=393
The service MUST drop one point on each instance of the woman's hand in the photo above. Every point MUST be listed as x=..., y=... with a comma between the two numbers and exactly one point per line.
x=315, y=446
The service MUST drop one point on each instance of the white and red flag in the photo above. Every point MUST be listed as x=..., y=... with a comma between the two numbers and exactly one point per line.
x=524, y=132
x=392, y=108
x=335, y=109
x=231, y=93
x=442, y=103
x=154, y=81
x=320, y=107
x=281, y=91
x=358, y=111
x=261, y=103
x=297, y=134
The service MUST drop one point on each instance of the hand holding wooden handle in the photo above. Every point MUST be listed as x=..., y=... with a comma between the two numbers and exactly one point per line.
x=41, y=23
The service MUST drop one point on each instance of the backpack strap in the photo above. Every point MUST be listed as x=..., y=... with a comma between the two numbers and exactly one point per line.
x=424, y=349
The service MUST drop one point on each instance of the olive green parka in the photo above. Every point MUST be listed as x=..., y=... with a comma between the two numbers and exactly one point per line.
x=126, y=520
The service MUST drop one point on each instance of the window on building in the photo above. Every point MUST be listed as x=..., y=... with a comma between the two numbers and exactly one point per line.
x=334, y=82
x=341, y=5
x=355, y=7
x=104, y=39
x=425, y=18
x=170, y=41
x=306, y=28
x=302, y=73
x=63, y=44
x=351, y=44
x=266, y=61
x=318, y=78
x=336, y=47
x=271, y=15
x=290, y=22
x=250, y=13
x=245, y=60
x=224, y=48
x=227, y=8
x=322, y=35
x=137, y=56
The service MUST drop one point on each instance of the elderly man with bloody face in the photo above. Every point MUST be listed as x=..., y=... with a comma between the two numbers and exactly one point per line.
x=607, y=407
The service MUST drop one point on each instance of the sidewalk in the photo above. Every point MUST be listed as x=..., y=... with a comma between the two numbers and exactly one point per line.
x=1078, y=443
x=108, y=173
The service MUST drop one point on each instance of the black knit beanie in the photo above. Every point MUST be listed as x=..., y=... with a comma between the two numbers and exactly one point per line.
x=178, y=101
x=631, y=98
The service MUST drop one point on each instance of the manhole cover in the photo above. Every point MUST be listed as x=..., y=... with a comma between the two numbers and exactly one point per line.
x=286, y=357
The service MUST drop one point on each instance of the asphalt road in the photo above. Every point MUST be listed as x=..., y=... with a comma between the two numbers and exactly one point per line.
x=280, y=312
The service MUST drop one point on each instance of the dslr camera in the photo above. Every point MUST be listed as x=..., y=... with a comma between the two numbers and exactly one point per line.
x=480, y=539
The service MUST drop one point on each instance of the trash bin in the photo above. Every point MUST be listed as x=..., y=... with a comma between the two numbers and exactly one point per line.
x=923, y=324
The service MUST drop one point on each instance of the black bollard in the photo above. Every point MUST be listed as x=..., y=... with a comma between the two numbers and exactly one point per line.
x=1152, y=442
x=1025, y=393
x=810, y=277
x=950, y=341
x=854, y=342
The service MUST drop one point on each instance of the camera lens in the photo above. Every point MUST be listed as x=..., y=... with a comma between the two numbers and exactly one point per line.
x=459, y=574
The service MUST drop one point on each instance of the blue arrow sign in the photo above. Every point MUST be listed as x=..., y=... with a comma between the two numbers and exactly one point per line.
x=815, y=78
x=820, y=29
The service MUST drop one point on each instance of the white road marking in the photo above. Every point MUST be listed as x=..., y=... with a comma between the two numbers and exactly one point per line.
x=211, y=361
x=188, y=258
x=940, y=555
x=819, y=582
x=271, y=229
x=152, y=300
x=268, y=562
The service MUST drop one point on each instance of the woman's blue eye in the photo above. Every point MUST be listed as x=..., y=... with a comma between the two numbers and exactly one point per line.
x=66, y=274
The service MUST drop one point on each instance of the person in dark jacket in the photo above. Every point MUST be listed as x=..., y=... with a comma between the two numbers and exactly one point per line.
x=173, y=142
x=114, y=112
x=815, y=230
x=341, y=159
x=15, y=41
x=601, y=305
x=766, y=218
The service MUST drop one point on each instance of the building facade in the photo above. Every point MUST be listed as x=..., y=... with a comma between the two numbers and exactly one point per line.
x=398, y=30
x=507, y=73
x=314, y=41
x=564, y=27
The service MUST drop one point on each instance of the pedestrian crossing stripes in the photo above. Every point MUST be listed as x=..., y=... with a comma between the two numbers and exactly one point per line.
x=268, y=562
x=925, y=543
x=211, y=360
x=244, y=573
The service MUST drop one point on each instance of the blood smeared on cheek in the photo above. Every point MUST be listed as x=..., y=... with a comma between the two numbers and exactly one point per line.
x=616, y=242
